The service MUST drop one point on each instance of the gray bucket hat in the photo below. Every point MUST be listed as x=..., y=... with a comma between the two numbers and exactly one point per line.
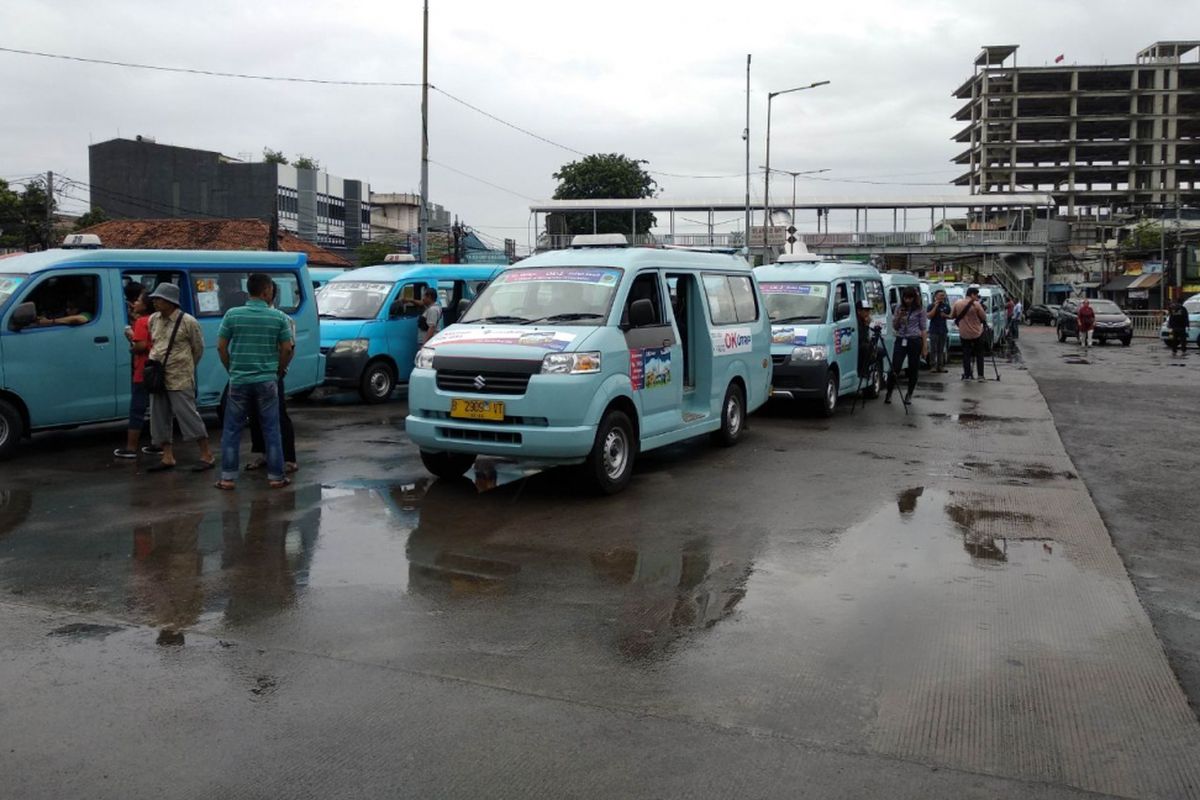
x=168, y=292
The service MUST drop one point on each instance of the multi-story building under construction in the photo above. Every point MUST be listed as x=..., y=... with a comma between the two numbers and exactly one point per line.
x=1097, y=137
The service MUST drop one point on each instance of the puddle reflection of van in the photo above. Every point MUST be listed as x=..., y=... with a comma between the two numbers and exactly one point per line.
x=62, y=376
x=592, y=356
x=369, y=320
x=815, y=345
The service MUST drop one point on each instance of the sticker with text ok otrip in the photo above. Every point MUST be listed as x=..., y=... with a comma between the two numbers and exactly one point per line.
x=726, y=341
x=650, y=368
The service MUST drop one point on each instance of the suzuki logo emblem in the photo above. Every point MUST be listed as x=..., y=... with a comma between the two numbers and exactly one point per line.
x=480, y=383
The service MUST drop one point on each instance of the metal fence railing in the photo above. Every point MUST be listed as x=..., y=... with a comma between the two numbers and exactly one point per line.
x=927, y=239
x=1146, y=323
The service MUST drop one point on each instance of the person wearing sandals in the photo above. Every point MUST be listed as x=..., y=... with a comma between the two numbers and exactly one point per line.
x=286, y=430
x=256, y=344
x=177, y=343
x=138, y=334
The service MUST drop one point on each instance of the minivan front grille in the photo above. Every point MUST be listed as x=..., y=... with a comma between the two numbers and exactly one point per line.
x=780, y=360
x=470, y=382
x=473, y=435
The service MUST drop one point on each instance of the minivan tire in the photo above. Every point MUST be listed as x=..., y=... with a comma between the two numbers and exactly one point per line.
x=447, y=465
x=12, y=428
x=377, y=383
x=874, y=386
x=830, y=397
x=609, y=466
x=733, y=417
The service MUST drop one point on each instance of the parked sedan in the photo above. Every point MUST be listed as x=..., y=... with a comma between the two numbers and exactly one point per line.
x=1111, y=322
x=1042, y=314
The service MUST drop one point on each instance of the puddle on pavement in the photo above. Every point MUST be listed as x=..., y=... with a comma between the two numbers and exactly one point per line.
x=1025, y=474
x=972, y=419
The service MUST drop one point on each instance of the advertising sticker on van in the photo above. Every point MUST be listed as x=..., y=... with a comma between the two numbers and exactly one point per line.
x=786, y=334
x=546, y=340
x=726, y=341
x=650, y=368
x=791, y=287
x=604, y=277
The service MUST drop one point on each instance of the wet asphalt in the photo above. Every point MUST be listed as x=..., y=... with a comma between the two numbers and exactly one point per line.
x=880, y=604
x=1128, y=417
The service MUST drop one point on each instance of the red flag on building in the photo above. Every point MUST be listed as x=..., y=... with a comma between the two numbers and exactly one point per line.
x=1059, y=59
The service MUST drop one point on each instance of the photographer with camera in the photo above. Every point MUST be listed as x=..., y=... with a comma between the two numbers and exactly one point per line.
x=971, y=320
x=938, y=312
x=910, y=325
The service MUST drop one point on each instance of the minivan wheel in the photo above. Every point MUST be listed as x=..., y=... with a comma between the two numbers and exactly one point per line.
x=447, y=465
x=12, y=427
x=829, y=400
x=377, y=382
x=609, y=467
x=733, y=417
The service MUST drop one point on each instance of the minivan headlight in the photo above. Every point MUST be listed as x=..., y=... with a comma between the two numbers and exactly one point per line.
x=571, y=363
x=424, y=359
x=811, y=353
x=350, y=347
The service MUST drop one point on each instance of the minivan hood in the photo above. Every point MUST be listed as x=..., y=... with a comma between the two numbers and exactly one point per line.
x=334, y=330
x=510, y=341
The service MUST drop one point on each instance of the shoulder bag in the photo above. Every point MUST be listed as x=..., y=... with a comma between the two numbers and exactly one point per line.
x=154, y=373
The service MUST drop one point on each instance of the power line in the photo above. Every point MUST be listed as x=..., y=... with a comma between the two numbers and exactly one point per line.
x=506, y=123
x=204, y=72
x=487, y=183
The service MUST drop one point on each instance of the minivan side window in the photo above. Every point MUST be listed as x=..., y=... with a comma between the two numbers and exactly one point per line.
x=745, y=304
x=875, y=295
x=645, y=287
x=217, y=292
x=134, y=282
x=720, y=300
x=408, y=301
x=66, y=297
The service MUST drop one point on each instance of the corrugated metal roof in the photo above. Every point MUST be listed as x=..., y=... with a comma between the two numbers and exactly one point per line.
x=207, y=234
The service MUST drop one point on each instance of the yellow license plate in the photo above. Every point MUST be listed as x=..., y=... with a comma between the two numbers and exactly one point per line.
x=477, y=409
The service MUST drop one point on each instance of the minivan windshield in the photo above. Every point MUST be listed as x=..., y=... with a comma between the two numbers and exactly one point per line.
x=793, y=301
x=352, y=299
x=558, y=295
x=8, y=286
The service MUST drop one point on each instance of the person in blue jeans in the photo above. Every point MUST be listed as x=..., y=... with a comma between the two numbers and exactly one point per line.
x=256, y=344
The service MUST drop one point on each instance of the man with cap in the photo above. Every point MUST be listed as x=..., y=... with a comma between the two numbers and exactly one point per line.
x=173, y=330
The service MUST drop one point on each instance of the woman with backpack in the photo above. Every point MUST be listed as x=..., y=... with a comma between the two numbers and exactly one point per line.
x=910, y=325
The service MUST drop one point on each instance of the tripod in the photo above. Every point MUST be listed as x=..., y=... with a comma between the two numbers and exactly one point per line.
x=880, y=358
x=992, y=348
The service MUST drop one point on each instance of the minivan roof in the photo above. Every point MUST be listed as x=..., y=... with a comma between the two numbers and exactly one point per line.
x=388, y=273
x=29, y=263
x=815, y=271
x=634, y=257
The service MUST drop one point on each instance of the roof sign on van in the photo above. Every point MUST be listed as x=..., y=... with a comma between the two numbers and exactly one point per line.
x=800, y=255
x=82, y=241
x=599, y=240
x=399, y=258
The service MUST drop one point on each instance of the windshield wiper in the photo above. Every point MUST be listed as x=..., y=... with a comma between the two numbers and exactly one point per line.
x=339, y=316
x=795, y=319
x=498, y=318
x=565, y=317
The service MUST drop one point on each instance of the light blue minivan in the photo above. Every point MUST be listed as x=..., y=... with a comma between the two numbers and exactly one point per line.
x=591, y=356
x=369, y=320
x=815, y=340
x=62, y=376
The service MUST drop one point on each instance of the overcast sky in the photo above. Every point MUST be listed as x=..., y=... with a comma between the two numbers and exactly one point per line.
x=662, y=81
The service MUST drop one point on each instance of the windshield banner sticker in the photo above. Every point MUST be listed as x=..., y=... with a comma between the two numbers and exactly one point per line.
x=603, y=277
x=650, y=368
x=812, y=289
x=545, y=340
x=726, y=341
x=786, y=334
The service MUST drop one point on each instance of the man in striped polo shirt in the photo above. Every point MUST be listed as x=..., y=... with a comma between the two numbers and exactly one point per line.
x=255, y=343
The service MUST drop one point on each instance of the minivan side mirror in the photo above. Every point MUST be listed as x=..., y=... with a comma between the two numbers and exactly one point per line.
x=462, y=306
x=843, y=310
x=641, y=313
x=23, y=316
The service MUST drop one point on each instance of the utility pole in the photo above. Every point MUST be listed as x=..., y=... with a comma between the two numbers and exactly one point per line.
x=49, y=208
x=767, y=175
x=424, y=212
x=746, y=138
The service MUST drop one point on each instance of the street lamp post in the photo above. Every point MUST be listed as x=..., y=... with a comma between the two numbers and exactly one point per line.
x=794, y=174
x=767, y=175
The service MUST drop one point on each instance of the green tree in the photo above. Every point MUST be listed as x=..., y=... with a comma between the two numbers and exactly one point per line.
x=371, y=253
x=1145, y=236
x=23, y=218
x=598, y=177
x=90, y=218
x=305, y=162
x=274, y=156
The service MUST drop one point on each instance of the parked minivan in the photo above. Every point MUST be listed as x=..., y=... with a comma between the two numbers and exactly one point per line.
x=62, y=376
x=369, y=320
x=815, y=345
x=591, y=356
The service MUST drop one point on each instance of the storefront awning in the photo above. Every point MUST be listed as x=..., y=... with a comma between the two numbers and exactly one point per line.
x=1147, y=281
x=1120, y=283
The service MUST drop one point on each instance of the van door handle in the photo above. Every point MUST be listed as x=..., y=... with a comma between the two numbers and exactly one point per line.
x=101, y=340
